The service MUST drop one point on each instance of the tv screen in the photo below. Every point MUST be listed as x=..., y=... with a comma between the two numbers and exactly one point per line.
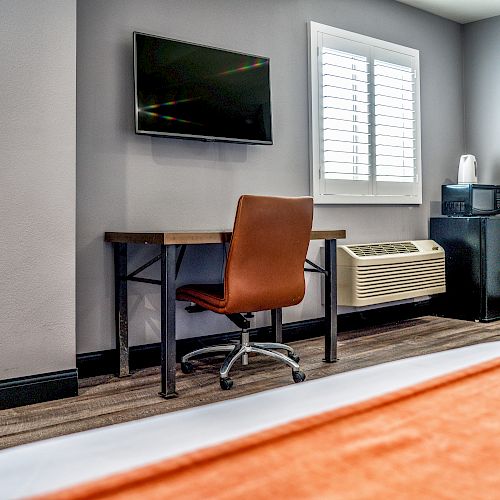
x=191, y=91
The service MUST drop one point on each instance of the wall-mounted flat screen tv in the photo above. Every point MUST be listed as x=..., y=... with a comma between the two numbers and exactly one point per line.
x=191, y=91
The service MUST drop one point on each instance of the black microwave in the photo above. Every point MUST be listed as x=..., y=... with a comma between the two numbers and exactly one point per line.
x=467, y=200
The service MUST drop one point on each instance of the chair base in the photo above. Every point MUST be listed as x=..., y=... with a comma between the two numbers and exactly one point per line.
x=241, y=350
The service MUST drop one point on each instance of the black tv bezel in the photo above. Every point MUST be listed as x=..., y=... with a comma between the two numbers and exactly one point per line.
x=205, y=138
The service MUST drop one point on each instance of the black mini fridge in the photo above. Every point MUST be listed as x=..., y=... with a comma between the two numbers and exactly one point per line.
x=472, y=248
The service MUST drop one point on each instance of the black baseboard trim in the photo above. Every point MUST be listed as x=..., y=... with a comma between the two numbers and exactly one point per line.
x=385, y=315
x=38, y=388
x=103, y=362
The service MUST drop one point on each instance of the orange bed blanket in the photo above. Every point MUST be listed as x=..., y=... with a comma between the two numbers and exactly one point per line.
x=438, y=439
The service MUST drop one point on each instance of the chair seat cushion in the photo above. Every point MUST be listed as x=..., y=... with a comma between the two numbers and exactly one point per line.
x=209, y=296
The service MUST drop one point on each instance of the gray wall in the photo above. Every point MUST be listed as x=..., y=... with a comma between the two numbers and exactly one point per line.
x=482, y=96
x=37, y=186
x=129, y=182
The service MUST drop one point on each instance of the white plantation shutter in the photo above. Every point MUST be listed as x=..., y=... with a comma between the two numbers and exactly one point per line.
x=346, y=116
x=365, y=119
x=394, y=122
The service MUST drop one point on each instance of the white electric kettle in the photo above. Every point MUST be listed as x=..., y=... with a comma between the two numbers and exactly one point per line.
x=467, y=170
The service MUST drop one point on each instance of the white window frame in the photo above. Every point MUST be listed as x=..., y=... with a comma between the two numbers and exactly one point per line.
x=396, y=196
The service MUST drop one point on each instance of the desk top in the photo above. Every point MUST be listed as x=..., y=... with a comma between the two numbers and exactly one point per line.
x=198, y=237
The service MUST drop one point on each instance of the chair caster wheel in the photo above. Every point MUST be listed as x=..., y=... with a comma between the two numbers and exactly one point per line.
x=226, y=384
x=298, y=377
x=187, y=367
x=294, y=357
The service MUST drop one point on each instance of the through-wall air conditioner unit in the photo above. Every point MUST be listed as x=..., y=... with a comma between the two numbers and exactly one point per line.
x=374, y=273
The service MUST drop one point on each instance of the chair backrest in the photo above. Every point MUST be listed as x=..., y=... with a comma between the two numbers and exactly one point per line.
x=265, y=265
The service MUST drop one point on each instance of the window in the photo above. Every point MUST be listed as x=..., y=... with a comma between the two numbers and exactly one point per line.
x=365, y=119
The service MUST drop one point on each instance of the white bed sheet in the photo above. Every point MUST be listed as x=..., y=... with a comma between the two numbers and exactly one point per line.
x=60, y=462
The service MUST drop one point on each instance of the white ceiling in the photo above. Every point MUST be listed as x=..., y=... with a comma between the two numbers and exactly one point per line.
x=461, y=11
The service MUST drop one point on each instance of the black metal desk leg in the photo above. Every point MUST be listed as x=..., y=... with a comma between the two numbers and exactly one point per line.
x=277, y=325
x=331, y=301
x=121, y=312
x=168, y=269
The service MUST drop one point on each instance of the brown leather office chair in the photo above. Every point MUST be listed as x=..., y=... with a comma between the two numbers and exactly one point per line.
x=264, y=271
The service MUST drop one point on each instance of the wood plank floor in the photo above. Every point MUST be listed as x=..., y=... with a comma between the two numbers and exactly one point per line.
x=108, y=400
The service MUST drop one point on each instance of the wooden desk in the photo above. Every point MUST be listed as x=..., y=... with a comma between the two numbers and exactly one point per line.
x=172, y=248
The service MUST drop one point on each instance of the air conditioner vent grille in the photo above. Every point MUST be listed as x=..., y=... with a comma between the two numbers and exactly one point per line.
x=379, y=281
x=372, y=249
